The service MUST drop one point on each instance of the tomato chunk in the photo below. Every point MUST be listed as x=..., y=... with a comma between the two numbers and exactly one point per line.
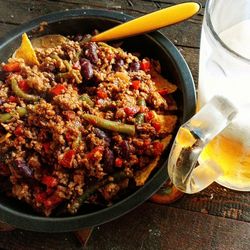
x=49, y=181
x=118, y=162
x=12, y=99
x=149, y=116
x=102, y=94
x=131, y=111
x=136, y=84
x=145, y=65
x=92, y=155
x=58, y=89
x=157, y=126
x=18, y=131
x=12, y=67
x=23, y=85
x=68, y=158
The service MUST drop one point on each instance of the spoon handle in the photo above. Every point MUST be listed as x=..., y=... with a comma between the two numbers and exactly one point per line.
x=150, y=22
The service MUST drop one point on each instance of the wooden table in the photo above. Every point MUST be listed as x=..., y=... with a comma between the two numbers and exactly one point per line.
x=216, y=218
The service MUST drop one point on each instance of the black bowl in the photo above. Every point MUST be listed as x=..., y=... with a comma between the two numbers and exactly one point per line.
x=153, y=45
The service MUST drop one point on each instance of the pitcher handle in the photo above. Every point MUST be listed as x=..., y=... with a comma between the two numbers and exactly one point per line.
x=186, y=173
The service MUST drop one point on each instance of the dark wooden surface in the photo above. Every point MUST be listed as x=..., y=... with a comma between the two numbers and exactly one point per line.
x=216, y=218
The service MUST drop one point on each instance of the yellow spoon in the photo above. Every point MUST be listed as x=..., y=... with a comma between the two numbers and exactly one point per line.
x=150, y=22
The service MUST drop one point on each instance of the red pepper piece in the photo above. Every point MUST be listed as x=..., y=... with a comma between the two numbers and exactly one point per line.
x=92, y=155
x=12, y=99
x=68, y=158
x=136, y=84
x=149, y=116
x=69, y=136
x=12, y=67
x=118, y=162
x=158, y=148
x=8, y=110
x=18, y=131
x=49, y=181
x=157, y=126
x=131, y=111
x=145, y=65
x=23, y=85
x=58, y=89
x=102, y=94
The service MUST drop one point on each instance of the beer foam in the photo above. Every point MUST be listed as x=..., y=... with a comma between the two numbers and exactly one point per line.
x=237, y=38
x=229, y=78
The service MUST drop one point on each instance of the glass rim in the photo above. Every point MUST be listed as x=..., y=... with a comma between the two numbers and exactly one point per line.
x=217, y=38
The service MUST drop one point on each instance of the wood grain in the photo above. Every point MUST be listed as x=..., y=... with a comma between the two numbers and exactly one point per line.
x=150, y=226
x=216, y=218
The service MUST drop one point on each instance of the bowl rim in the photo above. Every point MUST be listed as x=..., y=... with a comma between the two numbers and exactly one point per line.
x=75, y=222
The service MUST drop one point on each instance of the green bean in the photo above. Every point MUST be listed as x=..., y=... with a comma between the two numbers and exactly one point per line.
x=69, y=75
x=86, y=98
x=67, y=65
x=139, y=118
x=22, y=94
x=141, y=102
x=64, y=75
x=75, y=75
x=21, y=111
x=59, y=60
x=6, y=117
x=110, y=125
x=77, y=141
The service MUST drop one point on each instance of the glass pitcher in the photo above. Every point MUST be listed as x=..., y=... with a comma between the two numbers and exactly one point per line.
x=214, y=145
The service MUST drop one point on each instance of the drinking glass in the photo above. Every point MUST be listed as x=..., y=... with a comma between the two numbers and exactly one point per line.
x=214, y=145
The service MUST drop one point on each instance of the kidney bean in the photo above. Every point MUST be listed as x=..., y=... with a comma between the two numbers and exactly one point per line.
x=91, y=52
x=125, y=149
x=134, y=66
x=108, y=160
x=2, y=101
x=23, y=168
x=86, y=69
x=118, y=64
x=102, y=135
x=78, y=37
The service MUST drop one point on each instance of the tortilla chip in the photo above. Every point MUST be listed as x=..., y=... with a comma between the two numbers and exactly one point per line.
x=161, y=82
x=26, y=51
x=167, y=122
x=48, y=41
x=142, y=175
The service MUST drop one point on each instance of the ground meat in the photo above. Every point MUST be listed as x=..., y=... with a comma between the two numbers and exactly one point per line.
x=51, y=152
